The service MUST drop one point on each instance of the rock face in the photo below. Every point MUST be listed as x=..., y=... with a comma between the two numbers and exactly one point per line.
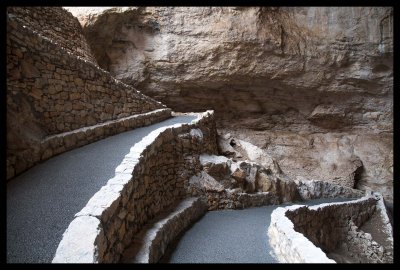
x=364, y=161
x=312, y=64
x=225, y=183
x=311, y=85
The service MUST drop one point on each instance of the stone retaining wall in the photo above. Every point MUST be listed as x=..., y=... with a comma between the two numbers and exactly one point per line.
x=51, y=91
x=66, y=92
x=57, y=24
x=233, y=199
x=301, y=234
x=150, y=244
x=363, y=248
x=326, y=225
x=57, y=144
x=148, y=180
x=312, y=189
x=226, y=184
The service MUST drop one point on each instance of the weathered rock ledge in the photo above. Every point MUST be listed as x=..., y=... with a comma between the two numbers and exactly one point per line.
x=311, y=86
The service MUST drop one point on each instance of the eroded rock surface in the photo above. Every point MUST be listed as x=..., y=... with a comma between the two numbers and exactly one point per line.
x=363, y=161
x=225, y=183
x=312, y=86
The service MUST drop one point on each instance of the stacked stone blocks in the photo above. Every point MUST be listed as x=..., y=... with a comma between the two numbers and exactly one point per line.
x=147, y=182
x=54, y=88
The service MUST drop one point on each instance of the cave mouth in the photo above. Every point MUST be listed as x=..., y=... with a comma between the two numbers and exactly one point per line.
x=359, y=174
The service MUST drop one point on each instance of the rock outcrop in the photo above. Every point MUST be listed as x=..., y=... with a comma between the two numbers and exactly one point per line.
x=363, y=161
x=312, y=86
x=328, y=66
x=225, y=183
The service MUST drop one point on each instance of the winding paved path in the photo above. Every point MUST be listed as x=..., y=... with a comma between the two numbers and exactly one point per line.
x=229, y=236
x=43, y=201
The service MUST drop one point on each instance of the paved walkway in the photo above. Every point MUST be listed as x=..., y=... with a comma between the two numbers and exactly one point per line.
x=229, y=236
x=43, y=201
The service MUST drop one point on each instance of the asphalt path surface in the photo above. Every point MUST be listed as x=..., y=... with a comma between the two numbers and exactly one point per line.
x=42, y=202
x=229, y=236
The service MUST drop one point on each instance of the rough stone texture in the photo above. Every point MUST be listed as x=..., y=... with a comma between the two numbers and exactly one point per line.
x=56, y=144
x=225, y=146
x=254, y=153
x=216, y=166
x=300, y=233
x=361, y=248
x=325, y=225
x=334, y=157
x=226, y=184
x=313, y=86
x=50, y=90
x=309, y=190
x=289, y=245
x=355, y=161
x=387, y=225
x=57, y=24
x=372, y=242
x=149, y=180
x=205, y=183
x=150, y=244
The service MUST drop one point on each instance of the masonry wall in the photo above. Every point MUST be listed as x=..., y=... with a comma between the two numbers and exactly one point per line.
x=309, y=190
x=57, y=24
x=52, y=91
x=301, y=234
x=150, y=244
x=363, y=248
x=59, y=143
x=148, y=181
x=327, y=226
x=65, y=92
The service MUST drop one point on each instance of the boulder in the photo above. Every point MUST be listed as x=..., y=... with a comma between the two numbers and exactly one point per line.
x=204, y=182
x=216, y=166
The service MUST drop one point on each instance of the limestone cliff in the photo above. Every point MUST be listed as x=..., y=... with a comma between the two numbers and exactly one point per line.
x=312, y=86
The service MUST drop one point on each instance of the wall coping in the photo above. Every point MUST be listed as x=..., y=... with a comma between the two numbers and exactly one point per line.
x=78, y=246
x=284, y=227
x=56, y=144
x=151, y=237
x=387, y=225
x=104, y=124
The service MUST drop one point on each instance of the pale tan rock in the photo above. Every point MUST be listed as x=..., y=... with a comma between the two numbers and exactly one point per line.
x=263, y=182
x=239, y=175
x=310, y=49
x=215, y=166
x=206, y=183
x=293, y=74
